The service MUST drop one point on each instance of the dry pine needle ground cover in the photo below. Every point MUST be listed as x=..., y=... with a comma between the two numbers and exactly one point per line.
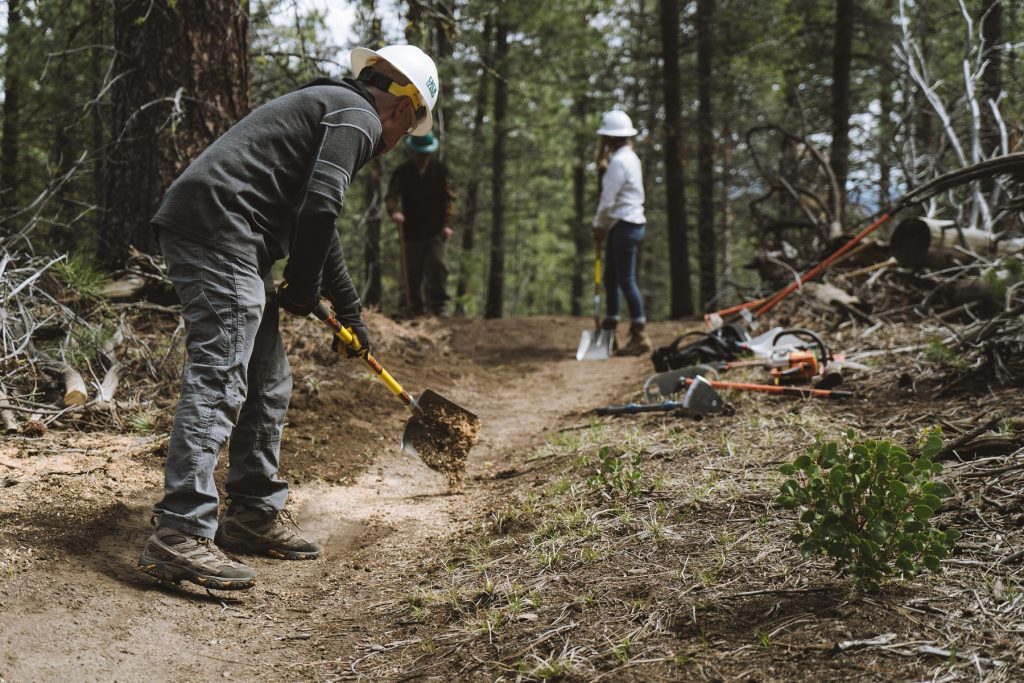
x=643, y=547
x=651, y=548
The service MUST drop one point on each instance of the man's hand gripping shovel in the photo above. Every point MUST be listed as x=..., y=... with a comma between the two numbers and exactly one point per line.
x=440, y=432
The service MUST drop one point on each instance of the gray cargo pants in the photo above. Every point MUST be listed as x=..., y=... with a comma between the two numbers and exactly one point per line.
x=236, y=383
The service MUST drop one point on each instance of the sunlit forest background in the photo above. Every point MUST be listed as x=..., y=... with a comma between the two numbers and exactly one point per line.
x=767, y=129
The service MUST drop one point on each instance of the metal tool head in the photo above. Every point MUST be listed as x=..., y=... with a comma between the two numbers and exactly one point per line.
x=440, y=432
x=595, y=345
x=663, y=385
x=701, y=398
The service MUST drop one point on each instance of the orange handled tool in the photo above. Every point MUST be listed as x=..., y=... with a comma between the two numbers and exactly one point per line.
x=806, y=392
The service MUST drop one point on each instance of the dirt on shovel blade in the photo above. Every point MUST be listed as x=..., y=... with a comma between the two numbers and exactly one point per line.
x=443, y=438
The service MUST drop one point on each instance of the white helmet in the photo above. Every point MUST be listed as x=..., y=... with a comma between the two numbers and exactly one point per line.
x=616, y=124
x=415, y=65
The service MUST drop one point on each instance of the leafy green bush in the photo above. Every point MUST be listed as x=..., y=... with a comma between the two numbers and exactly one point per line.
x=868, y=505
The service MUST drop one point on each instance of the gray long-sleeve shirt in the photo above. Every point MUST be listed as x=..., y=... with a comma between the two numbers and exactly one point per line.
x=273, y=184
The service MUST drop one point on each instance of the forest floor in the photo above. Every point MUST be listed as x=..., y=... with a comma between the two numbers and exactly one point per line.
x=675, y=566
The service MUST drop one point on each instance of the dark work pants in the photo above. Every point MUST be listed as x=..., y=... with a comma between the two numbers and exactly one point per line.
x=427, y=271
x=622, y=247
x=236, y=385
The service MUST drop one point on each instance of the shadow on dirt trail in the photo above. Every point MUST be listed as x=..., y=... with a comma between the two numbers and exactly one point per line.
x=72, y=606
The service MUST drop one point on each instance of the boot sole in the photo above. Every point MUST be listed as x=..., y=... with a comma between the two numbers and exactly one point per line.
x=174, y=574
x=276, y=553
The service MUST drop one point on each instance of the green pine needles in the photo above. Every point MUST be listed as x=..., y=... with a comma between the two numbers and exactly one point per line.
x=868, y=505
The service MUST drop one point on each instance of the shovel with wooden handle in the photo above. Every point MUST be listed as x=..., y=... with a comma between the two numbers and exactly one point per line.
x=440, y=432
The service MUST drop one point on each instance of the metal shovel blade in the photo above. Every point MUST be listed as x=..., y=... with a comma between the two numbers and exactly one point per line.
x=441, y=432
x=595, y=345
x=701, y=398
x=663, y=385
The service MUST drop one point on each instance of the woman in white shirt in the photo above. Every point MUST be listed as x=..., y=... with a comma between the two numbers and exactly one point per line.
x=620, y=219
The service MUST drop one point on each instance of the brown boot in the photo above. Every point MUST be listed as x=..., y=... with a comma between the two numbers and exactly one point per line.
x=638, y=343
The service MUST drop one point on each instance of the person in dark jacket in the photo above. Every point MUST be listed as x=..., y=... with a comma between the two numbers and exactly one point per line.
x=270, y=188
x=421, y=202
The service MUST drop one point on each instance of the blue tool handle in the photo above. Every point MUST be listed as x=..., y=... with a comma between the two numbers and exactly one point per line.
x=640, y=408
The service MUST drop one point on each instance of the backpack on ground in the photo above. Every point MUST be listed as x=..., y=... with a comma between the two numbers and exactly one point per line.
x=704, y=347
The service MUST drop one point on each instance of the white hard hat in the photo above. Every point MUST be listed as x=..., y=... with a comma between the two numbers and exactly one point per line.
x=412, y=63
x=616, y=124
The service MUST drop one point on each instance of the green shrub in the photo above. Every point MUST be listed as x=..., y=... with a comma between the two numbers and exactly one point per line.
x=81, y=277
x=616, y=472
x=868, y=505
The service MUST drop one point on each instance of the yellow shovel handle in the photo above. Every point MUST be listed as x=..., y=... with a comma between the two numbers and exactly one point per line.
x=346, y=337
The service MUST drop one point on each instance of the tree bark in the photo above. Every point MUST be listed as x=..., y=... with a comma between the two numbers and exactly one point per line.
x=372, y=179
x=842, y=59
x=9, y=148
x=473, y=188
x=183, y=80
x=496, y=279
x=675, y=192
x=725, y=249
x=582, y=236
x=992, y=78
x=705, y=156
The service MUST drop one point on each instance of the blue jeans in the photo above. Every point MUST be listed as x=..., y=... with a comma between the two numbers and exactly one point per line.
x=236, y=384
x=622, y=245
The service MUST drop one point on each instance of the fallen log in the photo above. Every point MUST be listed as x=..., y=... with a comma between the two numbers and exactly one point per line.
x=127, y=287
x=75, y=391
x=920, y=241
x=831, y=295
x=108, y=387
x=7, y=419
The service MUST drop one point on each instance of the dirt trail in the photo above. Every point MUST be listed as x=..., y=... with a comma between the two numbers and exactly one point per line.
x=81, y=611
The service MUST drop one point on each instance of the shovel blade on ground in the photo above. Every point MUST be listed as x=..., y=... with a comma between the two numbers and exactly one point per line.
x=595, y=345
x=439, y=424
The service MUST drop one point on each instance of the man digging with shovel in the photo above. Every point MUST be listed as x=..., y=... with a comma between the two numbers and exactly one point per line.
x=269, y=188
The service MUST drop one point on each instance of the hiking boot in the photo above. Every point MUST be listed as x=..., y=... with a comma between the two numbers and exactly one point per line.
x=638, y=343
x=172, y=555
x=246, y=530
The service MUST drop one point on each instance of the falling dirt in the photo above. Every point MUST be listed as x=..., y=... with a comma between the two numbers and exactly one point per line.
x=443, y=437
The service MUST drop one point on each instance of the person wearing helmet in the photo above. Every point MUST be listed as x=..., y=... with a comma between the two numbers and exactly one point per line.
x=620, y=224
x=421, y=202
x=270, y=188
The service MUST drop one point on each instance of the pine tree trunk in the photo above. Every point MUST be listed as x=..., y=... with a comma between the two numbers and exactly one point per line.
x=372, y=179
x=992, y=78
x=705, y=155
x=9, y=148
x=582, y=235
x=496, y=279
x=725, y=249
x=473, y=188
x=183, y=81
x=842, y=58
x=675, y=187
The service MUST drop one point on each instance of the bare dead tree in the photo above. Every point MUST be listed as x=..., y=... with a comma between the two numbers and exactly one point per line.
x=963, y=124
